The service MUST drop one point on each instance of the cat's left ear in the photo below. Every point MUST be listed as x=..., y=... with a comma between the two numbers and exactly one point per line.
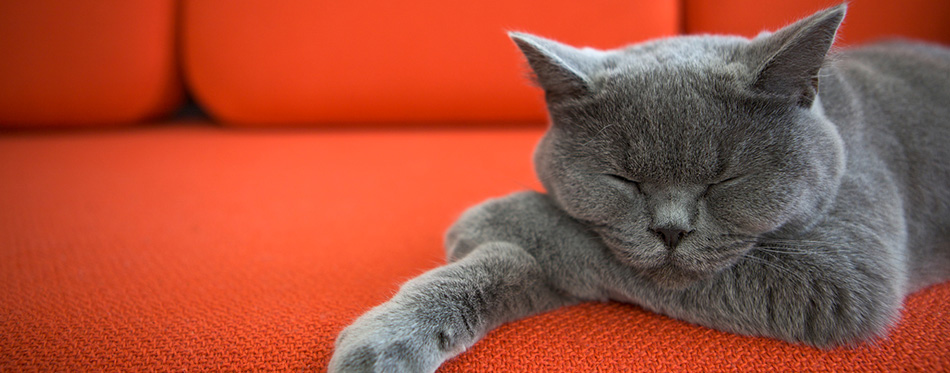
x=789, y=59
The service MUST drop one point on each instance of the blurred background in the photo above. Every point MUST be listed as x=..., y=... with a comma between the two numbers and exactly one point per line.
x=331, y=63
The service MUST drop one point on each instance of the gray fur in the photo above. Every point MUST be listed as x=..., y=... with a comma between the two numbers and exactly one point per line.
x=754, y=186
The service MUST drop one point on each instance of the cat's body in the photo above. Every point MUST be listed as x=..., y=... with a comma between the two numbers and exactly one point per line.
x=712, y=179
x=890, y=104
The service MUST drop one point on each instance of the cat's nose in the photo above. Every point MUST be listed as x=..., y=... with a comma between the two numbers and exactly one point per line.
x=671, y=235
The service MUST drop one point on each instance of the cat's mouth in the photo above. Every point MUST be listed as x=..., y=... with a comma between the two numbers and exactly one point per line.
x=678, y=268
x=658, y=265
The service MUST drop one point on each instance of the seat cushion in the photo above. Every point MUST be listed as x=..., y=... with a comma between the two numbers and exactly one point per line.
x=191, y=247
x=265, y=63
x=87, y=63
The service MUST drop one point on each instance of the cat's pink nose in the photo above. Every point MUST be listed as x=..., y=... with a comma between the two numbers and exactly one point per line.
x=671, y=235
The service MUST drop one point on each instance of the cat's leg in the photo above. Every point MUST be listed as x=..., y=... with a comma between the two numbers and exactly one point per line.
x=520, y=255
x=444, y=311
x=841, y=282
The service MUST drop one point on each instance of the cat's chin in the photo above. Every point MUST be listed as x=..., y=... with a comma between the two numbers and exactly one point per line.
x=677, y=270
x=670, y=276
x=662, y=269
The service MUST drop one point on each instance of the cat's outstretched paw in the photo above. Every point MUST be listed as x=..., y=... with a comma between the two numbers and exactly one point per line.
x=387, y=339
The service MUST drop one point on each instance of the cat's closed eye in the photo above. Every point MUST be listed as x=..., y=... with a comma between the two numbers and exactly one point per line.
x=625, y=180
x=724, y=183
x=727, y=181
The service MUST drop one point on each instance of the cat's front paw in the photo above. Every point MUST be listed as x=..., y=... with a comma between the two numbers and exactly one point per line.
x=387, y=340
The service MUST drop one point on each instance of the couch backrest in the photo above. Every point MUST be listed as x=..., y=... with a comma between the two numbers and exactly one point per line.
x=866, y=21
x=68, y=63
x=301, y=62
x=348, y=63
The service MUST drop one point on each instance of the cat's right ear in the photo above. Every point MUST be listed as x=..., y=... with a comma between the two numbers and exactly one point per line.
x=795, y=54
x=561, y=70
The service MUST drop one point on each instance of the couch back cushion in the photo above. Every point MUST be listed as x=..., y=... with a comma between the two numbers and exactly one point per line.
x=87, y=62
x=866, y=21
x=264, y=63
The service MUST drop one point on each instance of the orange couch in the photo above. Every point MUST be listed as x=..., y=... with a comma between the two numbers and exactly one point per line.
x=133, y=238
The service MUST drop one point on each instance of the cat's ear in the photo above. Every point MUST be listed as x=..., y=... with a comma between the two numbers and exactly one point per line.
x=561, y=70
x=794, y=55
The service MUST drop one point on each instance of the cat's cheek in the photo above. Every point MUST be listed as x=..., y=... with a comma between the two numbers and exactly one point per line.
x=738, y=215
x=756, y=207
x=600, y=212
x=579, y=206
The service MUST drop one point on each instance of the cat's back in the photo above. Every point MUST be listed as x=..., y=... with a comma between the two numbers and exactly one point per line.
x=898, y=77
x=897, y=74
x=891, y=104
x=892, y=99
x=898, y=55
x=896, y=95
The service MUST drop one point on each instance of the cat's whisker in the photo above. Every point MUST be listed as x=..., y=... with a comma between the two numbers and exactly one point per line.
x=811, y=246
x=795, y=249
x=760, y=239
x=803, y=240
x=784, y=251
x=798, y=245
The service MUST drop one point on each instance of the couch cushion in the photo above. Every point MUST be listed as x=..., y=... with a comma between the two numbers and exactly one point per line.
x=195, y=248
x=82, y=63
x=867, y=20
x=263, y=63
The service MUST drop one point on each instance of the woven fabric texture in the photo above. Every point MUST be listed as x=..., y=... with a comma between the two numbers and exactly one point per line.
x=192, y=248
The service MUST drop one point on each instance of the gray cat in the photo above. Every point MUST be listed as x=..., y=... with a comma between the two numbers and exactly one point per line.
x=761, y=187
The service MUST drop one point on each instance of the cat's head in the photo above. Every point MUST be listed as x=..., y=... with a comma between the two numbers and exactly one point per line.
x=681, y=152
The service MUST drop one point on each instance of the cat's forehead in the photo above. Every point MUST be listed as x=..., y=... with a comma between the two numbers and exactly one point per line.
x=671, y=103
x=688, y=48
x=675, y=63
x=676, y=80
x=682, y=51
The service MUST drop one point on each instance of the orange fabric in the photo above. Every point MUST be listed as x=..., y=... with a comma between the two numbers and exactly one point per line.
x=613, y=337
x=88, y=62
x=263, y=63
x=193, y=248
x=867, y=20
